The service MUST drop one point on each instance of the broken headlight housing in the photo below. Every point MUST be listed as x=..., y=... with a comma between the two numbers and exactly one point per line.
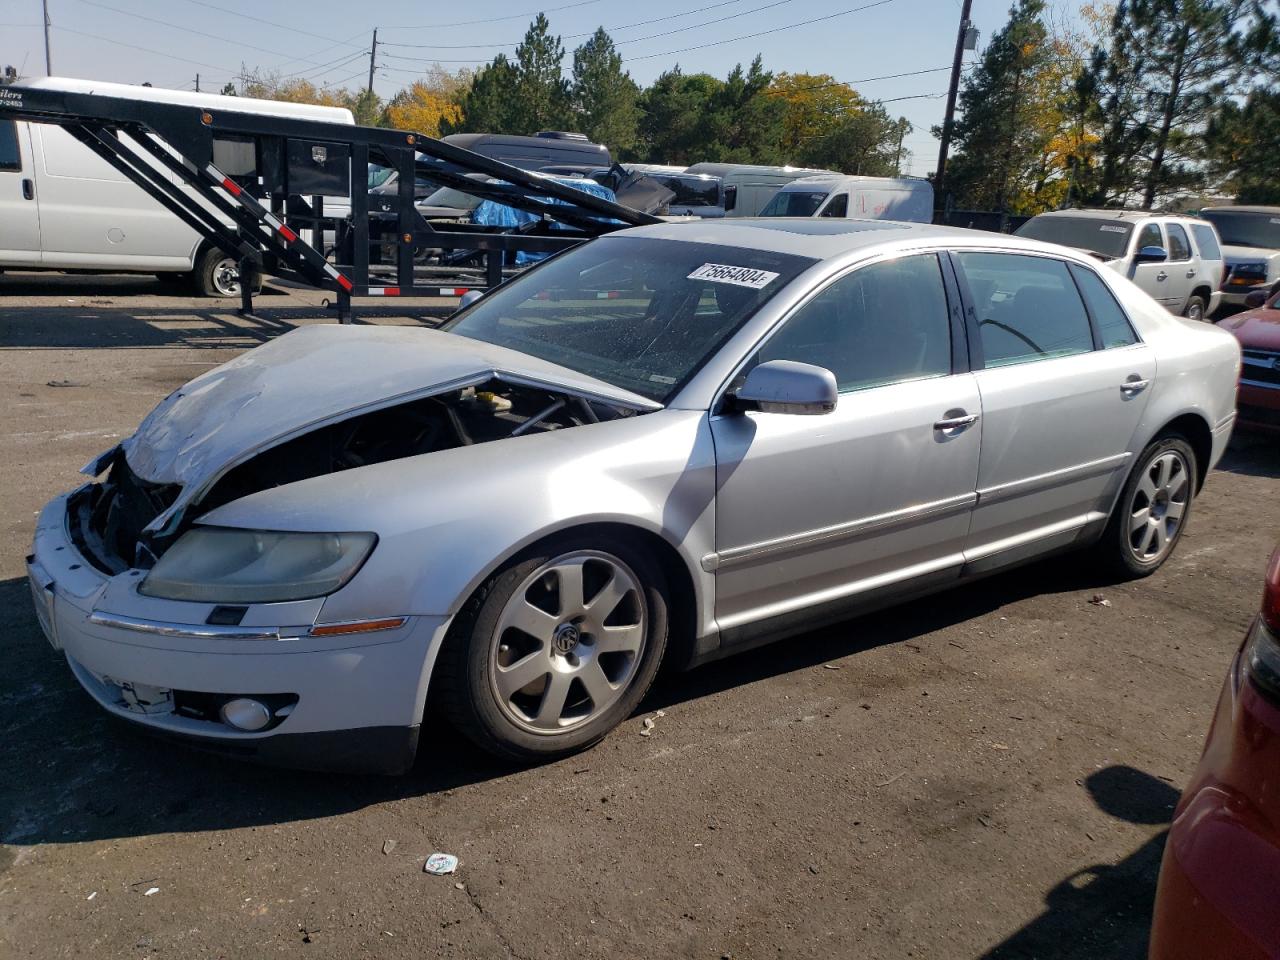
x=228, y=565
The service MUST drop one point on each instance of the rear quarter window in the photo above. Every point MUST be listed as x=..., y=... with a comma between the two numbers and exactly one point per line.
x=1109, y=317
x=1206, y=241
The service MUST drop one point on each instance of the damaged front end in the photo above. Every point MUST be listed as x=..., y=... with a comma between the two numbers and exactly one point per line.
x=127, y=521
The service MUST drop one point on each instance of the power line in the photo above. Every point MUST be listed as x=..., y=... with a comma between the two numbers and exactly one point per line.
x=514, y=16
x=292, y=28
x=760, y=33
x=174, y=26
x=134, y=46
x=576, y=36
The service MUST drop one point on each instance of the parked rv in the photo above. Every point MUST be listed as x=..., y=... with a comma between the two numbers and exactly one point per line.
x=747, y=187
x=64, y=208
x=858, y=198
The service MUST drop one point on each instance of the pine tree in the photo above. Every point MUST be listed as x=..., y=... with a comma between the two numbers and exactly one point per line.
x=998, y=146
x=489, y=104
x=541, y=96
x=604, y=97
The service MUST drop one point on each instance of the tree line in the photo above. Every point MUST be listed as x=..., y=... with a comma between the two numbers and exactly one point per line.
x=1136, y=103
x=1152, y=102
x=750, y=116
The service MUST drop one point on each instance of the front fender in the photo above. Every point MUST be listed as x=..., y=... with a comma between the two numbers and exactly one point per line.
x=447, y=520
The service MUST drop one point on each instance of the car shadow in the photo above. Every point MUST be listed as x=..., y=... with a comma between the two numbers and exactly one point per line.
x=70, y=773
x=1253, y=453
x=1103, y=910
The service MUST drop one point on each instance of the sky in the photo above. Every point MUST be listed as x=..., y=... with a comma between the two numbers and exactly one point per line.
x=169, y=42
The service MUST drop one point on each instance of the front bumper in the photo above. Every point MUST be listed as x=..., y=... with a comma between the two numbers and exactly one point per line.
x=354, y=702
x=1235, y=295
x=1221, y=867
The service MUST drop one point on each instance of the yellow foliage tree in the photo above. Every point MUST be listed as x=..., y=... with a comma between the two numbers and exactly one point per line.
x=816, y=105
x=423, y=109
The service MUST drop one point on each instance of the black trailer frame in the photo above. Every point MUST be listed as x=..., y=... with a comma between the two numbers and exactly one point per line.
x=279, y=170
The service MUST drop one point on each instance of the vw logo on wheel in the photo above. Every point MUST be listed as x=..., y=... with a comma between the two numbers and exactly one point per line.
x=566, y=638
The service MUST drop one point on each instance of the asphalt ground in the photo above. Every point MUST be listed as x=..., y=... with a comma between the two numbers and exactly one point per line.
x=988, y=773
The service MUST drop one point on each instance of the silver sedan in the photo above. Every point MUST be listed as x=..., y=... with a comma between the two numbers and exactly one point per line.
x=667, y=444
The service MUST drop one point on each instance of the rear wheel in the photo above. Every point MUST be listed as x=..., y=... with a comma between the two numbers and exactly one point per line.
x=1153, y=509
x=1196, y=306
x=556, y=649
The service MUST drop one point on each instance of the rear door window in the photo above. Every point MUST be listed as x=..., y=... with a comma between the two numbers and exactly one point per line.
x=1179, y=245
x=10, y=155
x=1113, y=326
x=1027, y=308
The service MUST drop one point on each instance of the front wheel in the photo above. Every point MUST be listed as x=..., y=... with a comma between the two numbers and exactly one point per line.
x=1153, y=509
x=556, y=649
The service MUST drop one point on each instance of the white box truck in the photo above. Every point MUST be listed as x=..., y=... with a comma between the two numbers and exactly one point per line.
x=856, y=198
x=62, y=207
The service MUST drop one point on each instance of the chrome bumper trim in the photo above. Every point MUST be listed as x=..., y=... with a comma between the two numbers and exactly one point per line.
x=196, y=631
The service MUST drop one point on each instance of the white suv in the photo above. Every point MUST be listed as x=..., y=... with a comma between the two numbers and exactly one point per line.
x=1177, y=260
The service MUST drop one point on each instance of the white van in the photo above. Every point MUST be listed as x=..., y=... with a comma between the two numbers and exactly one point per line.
x=749, y=187
x=62, y=207
x=858, y=198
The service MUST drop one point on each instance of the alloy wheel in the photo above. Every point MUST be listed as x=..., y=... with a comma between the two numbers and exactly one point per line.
x=568, y=642
x=1158, y=505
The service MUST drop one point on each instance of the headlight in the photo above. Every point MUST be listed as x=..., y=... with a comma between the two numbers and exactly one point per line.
x=227, y=565
x=1262, y=652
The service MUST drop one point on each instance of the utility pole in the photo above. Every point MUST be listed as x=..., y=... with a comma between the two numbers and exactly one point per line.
x=373, y=56
x=197, y=83
x=948, y=121
x=48, y=58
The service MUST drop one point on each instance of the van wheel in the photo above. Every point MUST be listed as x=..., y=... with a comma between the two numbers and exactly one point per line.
x=1195, y=308
x=217, y=275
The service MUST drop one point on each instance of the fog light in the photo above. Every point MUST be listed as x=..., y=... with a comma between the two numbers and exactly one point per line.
x=245, y=714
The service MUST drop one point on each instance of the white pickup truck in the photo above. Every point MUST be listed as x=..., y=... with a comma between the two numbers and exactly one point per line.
x=64, y=208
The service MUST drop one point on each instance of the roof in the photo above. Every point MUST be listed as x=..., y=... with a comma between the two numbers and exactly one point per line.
x=187, y=98
x=826, y=238
x=1232, y=208
x=823, y=179
x=1129, y=215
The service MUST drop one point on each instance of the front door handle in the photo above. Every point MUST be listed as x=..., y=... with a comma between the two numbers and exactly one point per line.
x=955, y=423
x=1134, y=385
x=28, y=190
x=1162, y=275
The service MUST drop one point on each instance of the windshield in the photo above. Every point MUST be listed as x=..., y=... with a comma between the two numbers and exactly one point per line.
x=793, y=203
x=1246, y=229
x=454, y=199
x=639, y=313
x=1108, y=238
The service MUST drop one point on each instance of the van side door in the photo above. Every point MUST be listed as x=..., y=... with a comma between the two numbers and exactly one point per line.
x=19, y=206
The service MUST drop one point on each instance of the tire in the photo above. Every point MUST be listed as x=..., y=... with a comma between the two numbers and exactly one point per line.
x=1137, y=540
x=1196, y=307
x=217, y=275
x=575, y=692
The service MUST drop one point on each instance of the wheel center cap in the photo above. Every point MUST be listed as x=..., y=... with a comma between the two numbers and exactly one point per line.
x=566, y=638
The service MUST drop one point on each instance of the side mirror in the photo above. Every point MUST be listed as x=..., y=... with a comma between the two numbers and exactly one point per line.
x=1255, y=300
x=1151, y=255
x=468, y=298
x=788, y=386
x=730, y=198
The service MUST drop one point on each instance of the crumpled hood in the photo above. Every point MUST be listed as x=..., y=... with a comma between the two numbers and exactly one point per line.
x=318, y=374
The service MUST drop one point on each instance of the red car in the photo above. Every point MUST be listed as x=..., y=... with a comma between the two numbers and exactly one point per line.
x=1220, y=878
x=1258, y=331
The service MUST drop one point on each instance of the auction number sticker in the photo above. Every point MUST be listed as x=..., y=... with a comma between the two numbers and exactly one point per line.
x=738, y=276
x=1110, y=229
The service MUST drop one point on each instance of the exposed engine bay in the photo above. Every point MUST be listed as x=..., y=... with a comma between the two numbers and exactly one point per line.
x=107, y=520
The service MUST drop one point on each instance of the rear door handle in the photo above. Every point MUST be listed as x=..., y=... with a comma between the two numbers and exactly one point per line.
x=1134, y=385
x=956, y=423
x=1190, y=274
x=28, y=190
x=1162, y=275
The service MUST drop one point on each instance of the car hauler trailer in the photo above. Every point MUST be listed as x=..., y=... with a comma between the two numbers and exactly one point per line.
x=255, y=186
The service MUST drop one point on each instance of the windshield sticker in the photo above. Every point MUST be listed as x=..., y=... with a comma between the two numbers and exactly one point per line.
x=659, y=378
x=1110, y=229
x=738, y=276
x=1275, y=219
